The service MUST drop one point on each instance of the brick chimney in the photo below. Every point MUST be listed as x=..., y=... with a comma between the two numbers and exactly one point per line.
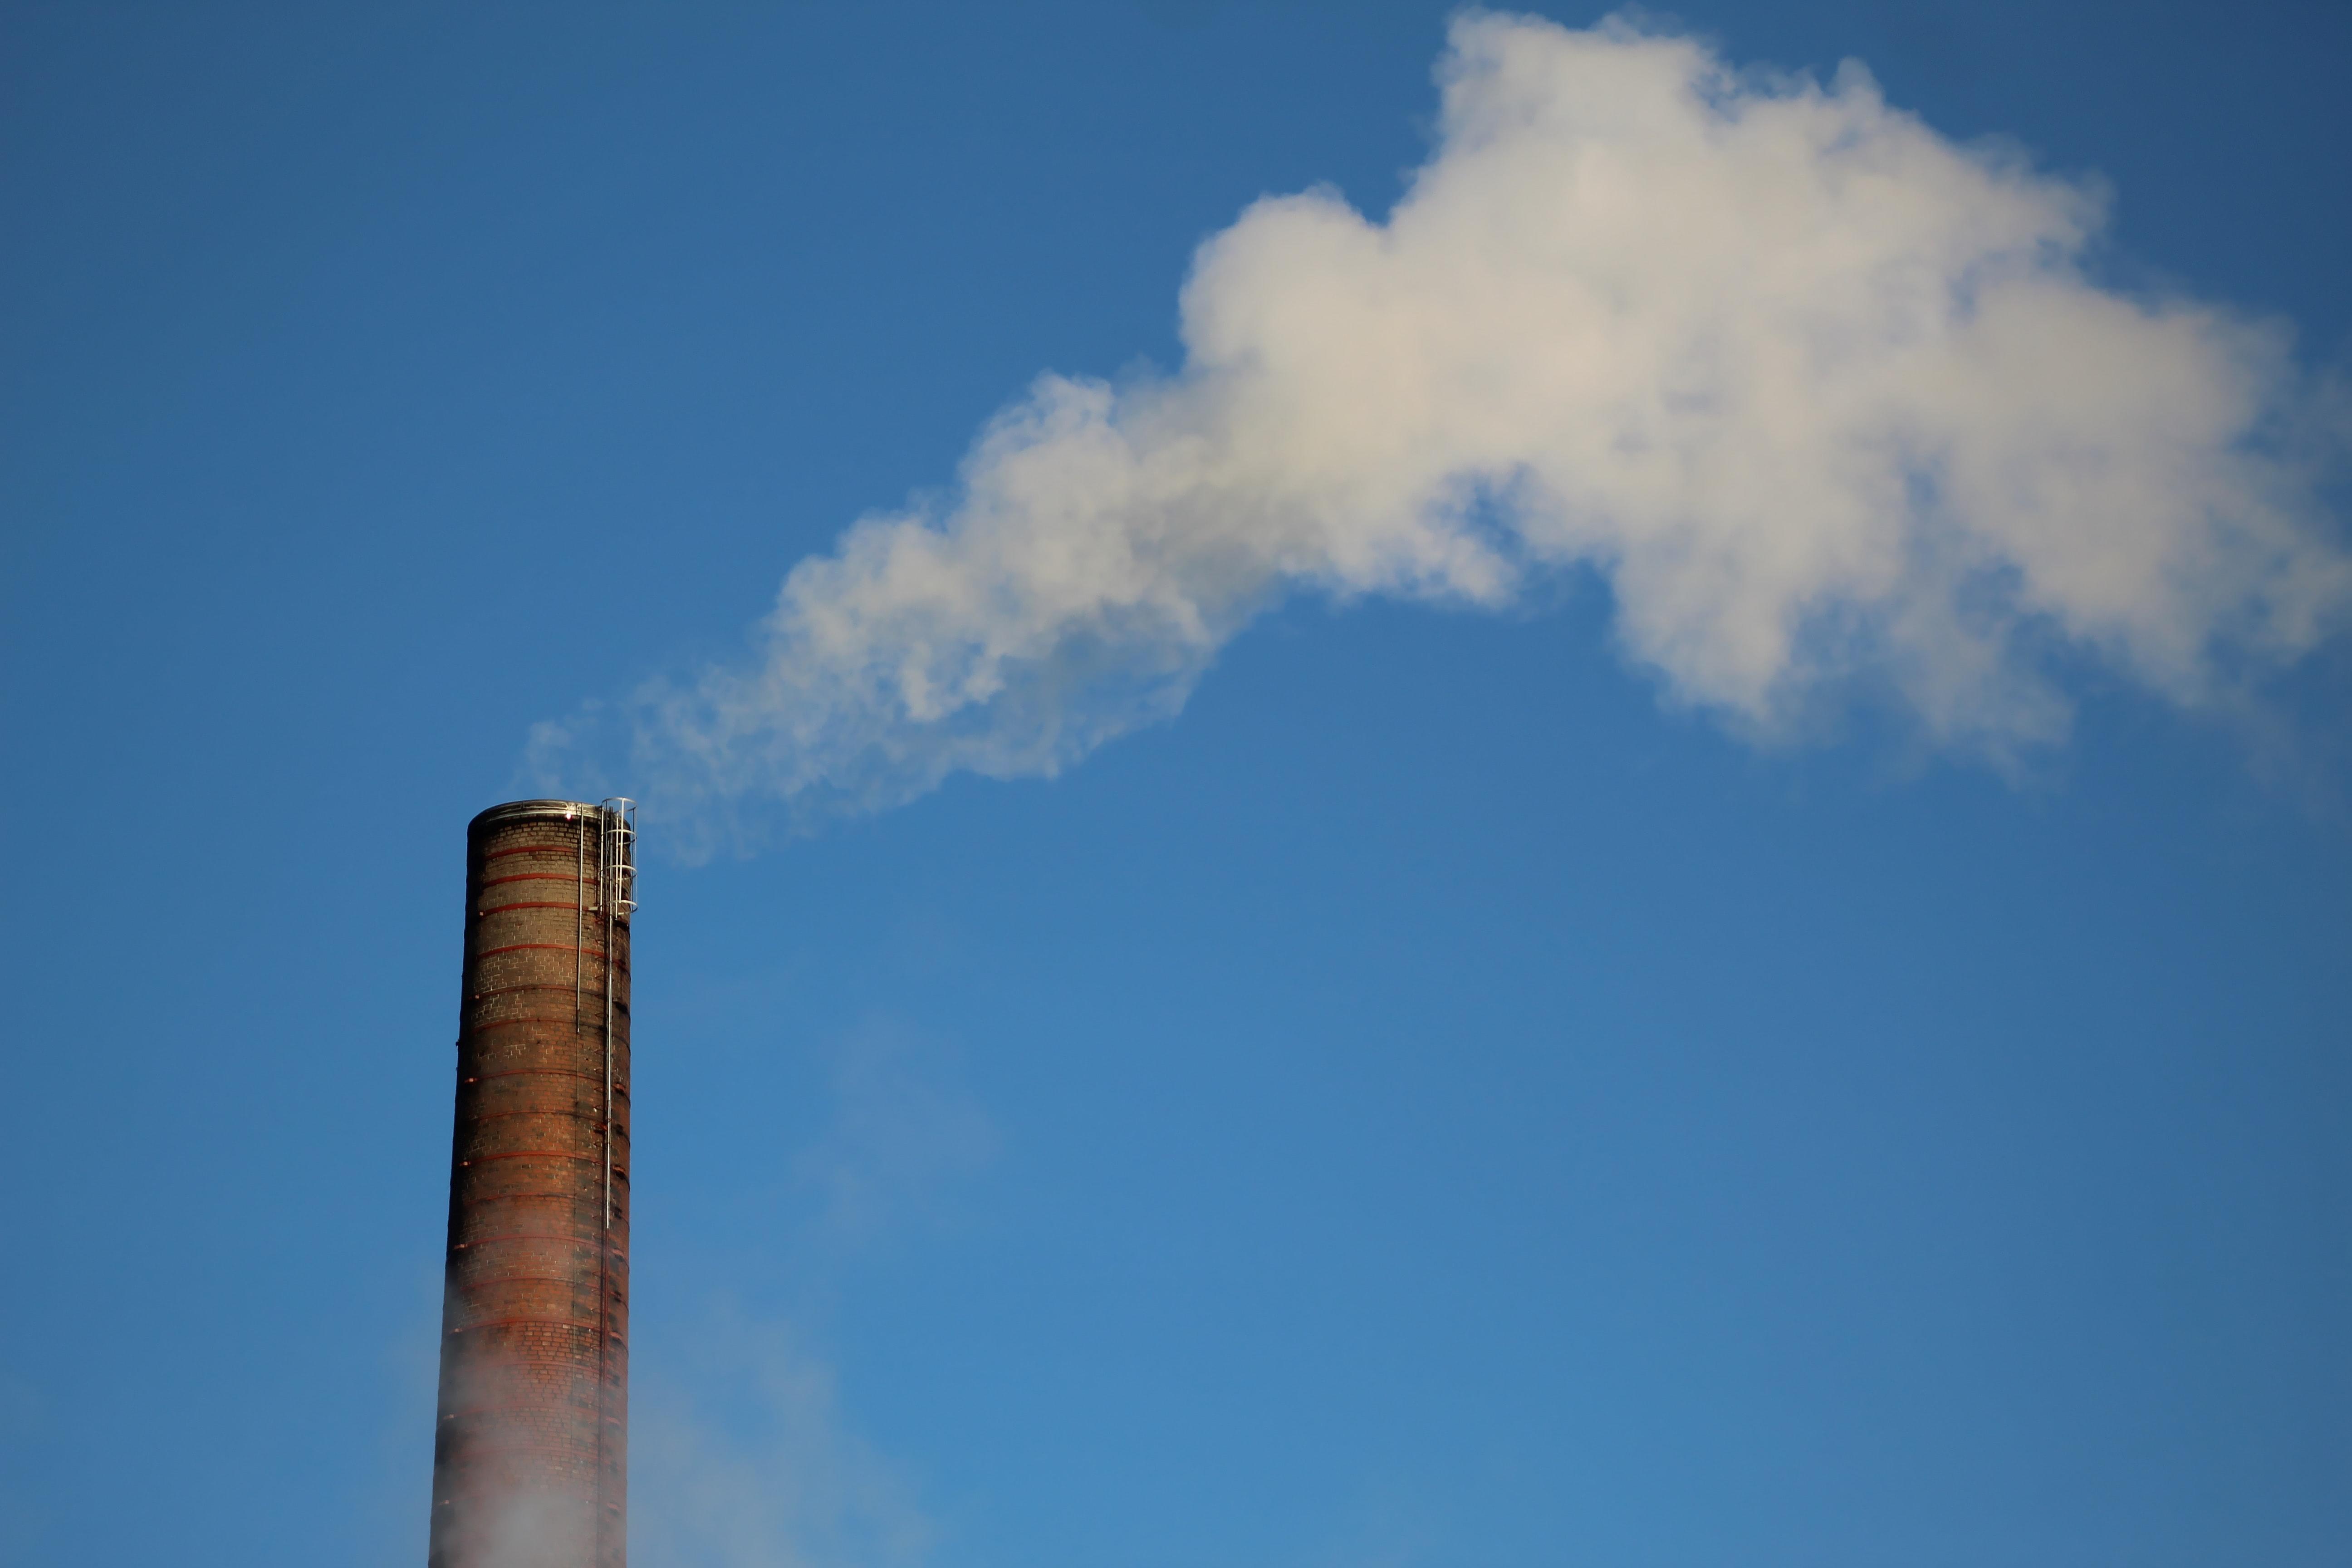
x=531, y=1450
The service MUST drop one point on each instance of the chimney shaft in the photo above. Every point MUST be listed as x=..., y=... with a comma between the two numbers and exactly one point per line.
x=530, y=1450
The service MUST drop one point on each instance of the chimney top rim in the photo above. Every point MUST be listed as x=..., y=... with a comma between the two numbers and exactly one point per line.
x=525, y=810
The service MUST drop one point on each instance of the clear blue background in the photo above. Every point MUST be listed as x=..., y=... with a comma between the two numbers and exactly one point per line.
x=1426, y=1106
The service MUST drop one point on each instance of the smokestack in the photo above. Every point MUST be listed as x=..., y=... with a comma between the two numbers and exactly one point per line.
x=531, y=1448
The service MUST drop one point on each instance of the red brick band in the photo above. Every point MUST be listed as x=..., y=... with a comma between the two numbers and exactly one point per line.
x=577, y=1025
x=540, y=947
x=535, y=1072
x=529, y=1154
x=526, y=985
x=510, y=1322
x=535, y=1110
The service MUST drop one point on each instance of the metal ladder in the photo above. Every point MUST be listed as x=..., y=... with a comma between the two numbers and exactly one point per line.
x=616, y=886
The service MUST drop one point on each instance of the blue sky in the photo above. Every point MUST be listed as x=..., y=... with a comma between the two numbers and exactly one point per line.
x=1456, y=1093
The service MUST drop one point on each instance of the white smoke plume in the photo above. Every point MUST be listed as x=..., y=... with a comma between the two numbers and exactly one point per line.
x=1826, y=399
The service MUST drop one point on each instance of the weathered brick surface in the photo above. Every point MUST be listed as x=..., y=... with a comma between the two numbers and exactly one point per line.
x=530, y=1458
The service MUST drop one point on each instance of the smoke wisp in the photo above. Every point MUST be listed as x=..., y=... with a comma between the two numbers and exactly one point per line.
x=1827, y=400
x=770, y=1475
x=744, y=1455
